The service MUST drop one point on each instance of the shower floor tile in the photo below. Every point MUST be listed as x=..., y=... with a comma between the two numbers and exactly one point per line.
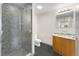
x=18, y=52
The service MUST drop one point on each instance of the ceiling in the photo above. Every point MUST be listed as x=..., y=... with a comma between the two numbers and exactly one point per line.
x=46, y=7
x=50, y=6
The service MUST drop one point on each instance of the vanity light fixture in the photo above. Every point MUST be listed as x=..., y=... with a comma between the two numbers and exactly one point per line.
x=64, y=10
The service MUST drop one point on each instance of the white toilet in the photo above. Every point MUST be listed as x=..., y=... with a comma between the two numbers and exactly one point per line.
x=37, y=41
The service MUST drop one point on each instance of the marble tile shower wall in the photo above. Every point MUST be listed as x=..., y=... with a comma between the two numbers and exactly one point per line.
x=16, y=18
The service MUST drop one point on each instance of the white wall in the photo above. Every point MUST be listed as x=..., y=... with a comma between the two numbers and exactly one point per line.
x=34, y=28
x=45, y=26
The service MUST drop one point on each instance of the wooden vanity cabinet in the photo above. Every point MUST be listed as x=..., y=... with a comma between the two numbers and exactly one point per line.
x=56, y=44
x=63, y=46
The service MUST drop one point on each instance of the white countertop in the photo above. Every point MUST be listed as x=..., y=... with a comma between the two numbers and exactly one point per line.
x=64, y=36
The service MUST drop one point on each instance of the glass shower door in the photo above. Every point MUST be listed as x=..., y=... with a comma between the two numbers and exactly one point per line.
x=26, y=28
x=16, y=27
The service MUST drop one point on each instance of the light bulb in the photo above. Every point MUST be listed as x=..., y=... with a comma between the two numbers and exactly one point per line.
x=39, y=7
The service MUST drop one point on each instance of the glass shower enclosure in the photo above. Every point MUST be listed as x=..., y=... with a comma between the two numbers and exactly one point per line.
x=16, y=39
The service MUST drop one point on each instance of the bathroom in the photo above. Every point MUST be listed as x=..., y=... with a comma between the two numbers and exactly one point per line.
x=57, y=26
x=39, y=29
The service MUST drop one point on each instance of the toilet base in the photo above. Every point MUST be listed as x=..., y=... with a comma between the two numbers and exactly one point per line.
x=37, y=42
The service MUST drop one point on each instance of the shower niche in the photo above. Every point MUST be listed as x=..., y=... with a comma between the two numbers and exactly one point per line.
x=16, y=39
